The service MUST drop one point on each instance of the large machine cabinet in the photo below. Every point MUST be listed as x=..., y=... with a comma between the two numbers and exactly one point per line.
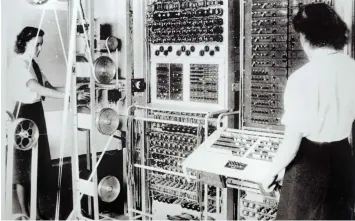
x=270, y=52
x=188, y=53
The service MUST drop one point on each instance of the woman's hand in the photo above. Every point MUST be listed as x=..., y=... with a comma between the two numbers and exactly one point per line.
x=271, y=183
x=268, y=183
x=82, y=95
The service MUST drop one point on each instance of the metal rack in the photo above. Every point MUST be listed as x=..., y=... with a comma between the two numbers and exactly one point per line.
x=138, y=186
x=88, y=185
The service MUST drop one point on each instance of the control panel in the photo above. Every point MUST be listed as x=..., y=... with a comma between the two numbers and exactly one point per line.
x=237, y=155
x=256, y=207
x=189, y=44
x=169, y=81
x=204, y=83
x=168, y=146
x=187, y=21
x=272, y=52
x=168, y=141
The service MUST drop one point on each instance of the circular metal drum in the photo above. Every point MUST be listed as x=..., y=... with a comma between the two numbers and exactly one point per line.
x=113, y=43
x=107, y=121
x=19, y=216
x=109, y=188
x=105, y=70
x=37, y=2
x=25, y=134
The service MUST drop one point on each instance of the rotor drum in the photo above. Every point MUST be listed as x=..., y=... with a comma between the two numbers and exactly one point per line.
x=107, y=121
x=113, y=44
x=105, y=70
x=109, y=188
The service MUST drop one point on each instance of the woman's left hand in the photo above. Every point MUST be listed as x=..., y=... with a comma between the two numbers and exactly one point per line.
x=82, y=95
x=272, y=182
x=267, y=183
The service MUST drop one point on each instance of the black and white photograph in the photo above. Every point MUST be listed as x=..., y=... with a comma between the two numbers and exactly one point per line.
x=177, y=110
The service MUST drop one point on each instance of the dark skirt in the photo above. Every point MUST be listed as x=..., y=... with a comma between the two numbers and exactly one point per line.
x=22, y=159
x=318, y=184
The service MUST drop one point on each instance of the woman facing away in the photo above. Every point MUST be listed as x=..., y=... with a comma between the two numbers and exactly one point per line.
x=28, y=88
x=319, y=104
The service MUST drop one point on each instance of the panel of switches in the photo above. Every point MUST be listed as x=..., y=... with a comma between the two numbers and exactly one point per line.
x=204, y=83
x=255, y=207
x=171, y=189
x=265, y=149
x=188, y=32
x=169, y=81
x=167, y=146
x=238, y=144
x=191, y=21
x=276, y=52
x=269, y=56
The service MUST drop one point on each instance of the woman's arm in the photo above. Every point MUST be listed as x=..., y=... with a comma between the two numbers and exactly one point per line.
x=34, y=86
x=285, y=154
x=81, y=95
x=49, y=85
x=287, y=150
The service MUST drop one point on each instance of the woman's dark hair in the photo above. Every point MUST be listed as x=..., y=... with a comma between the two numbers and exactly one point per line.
x=25, y=36
x=321, y=25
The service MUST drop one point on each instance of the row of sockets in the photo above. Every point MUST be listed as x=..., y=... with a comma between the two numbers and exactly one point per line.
x=181, y=23
x=279, y=55
x=174, y=137
x=185, y=152
x=165, y=166
x=177, y=5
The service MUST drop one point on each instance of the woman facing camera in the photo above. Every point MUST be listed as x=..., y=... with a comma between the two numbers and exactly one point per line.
x=319, y=105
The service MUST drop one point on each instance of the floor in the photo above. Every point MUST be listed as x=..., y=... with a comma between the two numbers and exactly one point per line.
x=66, y=206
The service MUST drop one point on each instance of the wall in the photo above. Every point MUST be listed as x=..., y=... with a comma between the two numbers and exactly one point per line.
x=51, y=59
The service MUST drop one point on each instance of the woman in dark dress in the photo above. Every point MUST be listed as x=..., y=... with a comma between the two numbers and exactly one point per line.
x=319, y=103
x=29, y=89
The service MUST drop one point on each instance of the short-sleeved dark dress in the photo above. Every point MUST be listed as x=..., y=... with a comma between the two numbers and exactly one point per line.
x=22, y=163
